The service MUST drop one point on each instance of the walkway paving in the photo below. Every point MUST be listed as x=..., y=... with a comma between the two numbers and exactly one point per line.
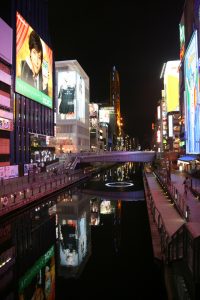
x=190, y=198
x=171, y=206
x=168, y=208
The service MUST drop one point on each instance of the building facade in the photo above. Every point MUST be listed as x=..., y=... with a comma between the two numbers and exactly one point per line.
x=30, y=92
x=72, y=108
x=6, y=104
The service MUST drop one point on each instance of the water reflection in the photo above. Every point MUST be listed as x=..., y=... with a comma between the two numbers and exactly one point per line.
x=71, y=241
x=73, y=219
x=123, y=182
x=27, y=255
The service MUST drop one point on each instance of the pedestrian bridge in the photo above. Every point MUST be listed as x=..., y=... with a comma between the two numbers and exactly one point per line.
x=115, y=156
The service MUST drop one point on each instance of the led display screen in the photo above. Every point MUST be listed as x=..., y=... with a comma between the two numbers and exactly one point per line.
x=158, y=136
x=104, y=116
x=192, y=101
x=4, y=99
x=6, y=41
x=33, y=64
x=93, y=110
x=170, y=125
x=171, y=82
x=71, y=96
x=7, y=172
x=158, y=112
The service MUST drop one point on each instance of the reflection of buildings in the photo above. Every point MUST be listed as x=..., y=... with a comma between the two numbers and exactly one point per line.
x=72, y=112
x=104, y=211
x=26, y=254
x=7, y=261
x=73, y=234
x=94, y=211
x=106, y=207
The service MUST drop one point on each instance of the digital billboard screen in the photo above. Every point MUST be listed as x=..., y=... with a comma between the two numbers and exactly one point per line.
x=192, y=101
x=71, y=96
x=104, y=116
x=33, y=64
x=93, y=110
x=6, y=41
x=171, y=82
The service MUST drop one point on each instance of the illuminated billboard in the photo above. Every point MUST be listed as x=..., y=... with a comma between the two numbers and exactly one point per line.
x=71, y=96
x=33, y=64
x=39, y=281
x=171, y=82
x=192, y=101
x=170, y=126
x=93, y=110
x=104, y=116
x=6, y=41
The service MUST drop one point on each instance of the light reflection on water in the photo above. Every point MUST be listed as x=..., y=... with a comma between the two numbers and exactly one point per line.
x=81, y=238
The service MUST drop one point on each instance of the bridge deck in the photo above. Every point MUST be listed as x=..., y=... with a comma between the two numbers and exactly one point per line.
x=116, y=156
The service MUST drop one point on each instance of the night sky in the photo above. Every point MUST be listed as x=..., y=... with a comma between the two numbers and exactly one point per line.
x=135, y=36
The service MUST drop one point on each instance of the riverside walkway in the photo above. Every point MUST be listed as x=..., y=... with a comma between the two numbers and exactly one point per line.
x=170, y=205
x=18, y=192
x=174, y=218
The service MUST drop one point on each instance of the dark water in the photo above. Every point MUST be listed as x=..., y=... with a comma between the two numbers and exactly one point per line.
x=91, y=241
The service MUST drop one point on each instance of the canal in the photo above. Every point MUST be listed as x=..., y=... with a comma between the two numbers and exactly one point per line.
x=92, y=240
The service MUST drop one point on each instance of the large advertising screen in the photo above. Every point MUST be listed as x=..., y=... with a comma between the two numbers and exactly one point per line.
x=104, y=116
x=39, y=281
x=33, y=64
x=171, y=82
x=7, y=172
x=192, y=101
x=71, y=96
x=93, y=110
x=6, y=41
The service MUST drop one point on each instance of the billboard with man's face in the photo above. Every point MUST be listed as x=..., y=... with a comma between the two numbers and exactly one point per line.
x=33, y=64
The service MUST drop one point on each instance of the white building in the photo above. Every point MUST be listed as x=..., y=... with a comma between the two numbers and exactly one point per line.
x=72, y=107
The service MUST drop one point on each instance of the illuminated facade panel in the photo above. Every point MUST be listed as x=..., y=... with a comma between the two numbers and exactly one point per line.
x=192, y=101
x=72, y=107
x=171, y=84
x=33, y=64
